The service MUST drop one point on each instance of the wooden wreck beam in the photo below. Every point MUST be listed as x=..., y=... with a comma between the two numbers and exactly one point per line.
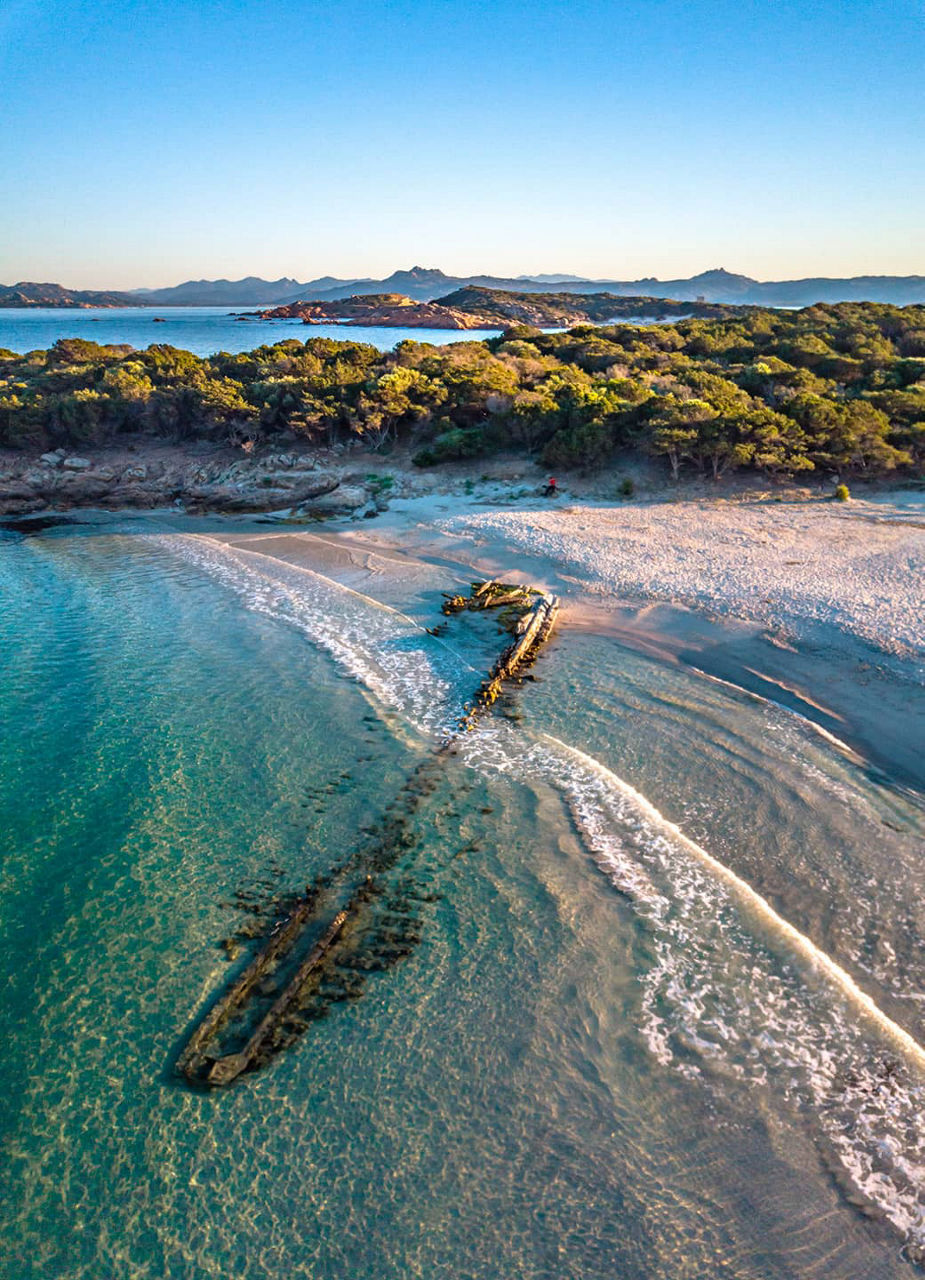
x=224, y=1070
x=533, y=629
x=193, y=1058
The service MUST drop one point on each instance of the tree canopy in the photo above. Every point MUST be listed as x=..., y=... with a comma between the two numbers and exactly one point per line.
x=837, y=388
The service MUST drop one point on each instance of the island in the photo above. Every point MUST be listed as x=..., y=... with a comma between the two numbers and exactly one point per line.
x=835, y=392
x=476, y=307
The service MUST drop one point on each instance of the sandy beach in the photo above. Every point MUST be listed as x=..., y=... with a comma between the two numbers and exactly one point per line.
x=814, y=604
x=658, y=879
x=809, y=602
x=857, y=567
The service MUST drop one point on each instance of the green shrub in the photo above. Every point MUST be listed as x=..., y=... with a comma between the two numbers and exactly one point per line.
x=451, y=446
x=585, y=445
x=842, y=493
x=379, y=484
x=837, y=389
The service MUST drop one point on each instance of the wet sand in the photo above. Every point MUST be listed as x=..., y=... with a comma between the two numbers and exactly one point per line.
x=816, y=606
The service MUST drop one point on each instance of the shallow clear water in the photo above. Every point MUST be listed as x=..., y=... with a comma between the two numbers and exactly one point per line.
x=657, y=1025
x=202, y=330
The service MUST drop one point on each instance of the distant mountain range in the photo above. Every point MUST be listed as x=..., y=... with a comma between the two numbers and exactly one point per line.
x=224, y=293
x=29, y=294
x=423, y=284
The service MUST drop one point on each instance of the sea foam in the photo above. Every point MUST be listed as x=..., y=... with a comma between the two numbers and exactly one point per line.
x=734, y=992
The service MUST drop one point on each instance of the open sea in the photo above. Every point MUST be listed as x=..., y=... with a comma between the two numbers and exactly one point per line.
x=665, y=1015
x=202, y=330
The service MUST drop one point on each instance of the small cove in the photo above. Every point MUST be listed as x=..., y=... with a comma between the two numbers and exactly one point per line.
x=202, y=330
x=595, y=1061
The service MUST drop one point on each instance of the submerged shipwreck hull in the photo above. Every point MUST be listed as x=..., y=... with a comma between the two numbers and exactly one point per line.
x=250, y=1019
x=196, y=1063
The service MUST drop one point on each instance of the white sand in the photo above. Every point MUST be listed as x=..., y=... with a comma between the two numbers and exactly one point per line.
x=816, y=605
x=859, y=567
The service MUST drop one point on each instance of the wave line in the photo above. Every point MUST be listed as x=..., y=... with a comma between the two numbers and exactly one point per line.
x=760, y=906
x=333, y=582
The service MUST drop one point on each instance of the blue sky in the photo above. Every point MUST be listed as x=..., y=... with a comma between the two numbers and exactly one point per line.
x=147, y=142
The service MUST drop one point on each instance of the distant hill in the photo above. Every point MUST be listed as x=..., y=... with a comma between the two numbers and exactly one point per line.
x=901, y=291
x=718, y=285
x=219, y=293
x=565, y=308
x=422, y=284
x=29, y=294
x=474, y=307
x=427, y=284
x=554, y=278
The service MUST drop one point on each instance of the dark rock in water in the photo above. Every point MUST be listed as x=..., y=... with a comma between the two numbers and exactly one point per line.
x=32, y=524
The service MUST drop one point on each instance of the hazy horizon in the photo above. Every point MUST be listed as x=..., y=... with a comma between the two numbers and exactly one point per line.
x=104, y=284
x=155, y=144
x=507, y=275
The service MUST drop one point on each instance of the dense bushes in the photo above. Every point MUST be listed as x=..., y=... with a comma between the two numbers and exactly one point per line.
x=837, y=388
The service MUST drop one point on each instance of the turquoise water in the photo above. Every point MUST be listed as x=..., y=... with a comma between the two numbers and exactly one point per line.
x=202, y=330
x=630, y=1041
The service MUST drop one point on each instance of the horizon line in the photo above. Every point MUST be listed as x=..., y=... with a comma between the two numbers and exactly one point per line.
x=521, y=276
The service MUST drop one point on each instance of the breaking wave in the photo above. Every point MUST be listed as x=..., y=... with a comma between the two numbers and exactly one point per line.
x=734, y=992
x=387, y=652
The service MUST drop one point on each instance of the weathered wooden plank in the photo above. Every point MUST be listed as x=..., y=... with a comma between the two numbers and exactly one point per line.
x=533, y=629
x=224, y=1070
x=192, y=1060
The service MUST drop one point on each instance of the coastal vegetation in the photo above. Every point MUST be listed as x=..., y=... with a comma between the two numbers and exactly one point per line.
x=837, y=388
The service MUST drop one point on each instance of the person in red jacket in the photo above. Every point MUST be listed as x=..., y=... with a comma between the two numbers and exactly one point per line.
x=550, y=490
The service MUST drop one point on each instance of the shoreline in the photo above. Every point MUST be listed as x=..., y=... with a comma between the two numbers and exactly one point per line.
x=809, y=604
x=144, y=473
x=868, y=699
x=829, y=670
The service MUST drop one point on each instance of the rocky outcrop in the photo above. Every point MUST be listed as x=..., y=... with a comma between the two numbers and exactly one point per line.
x=294, y=487
x=343, y=500
x=265, y=493
x=474, y=307
x=386, y=309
